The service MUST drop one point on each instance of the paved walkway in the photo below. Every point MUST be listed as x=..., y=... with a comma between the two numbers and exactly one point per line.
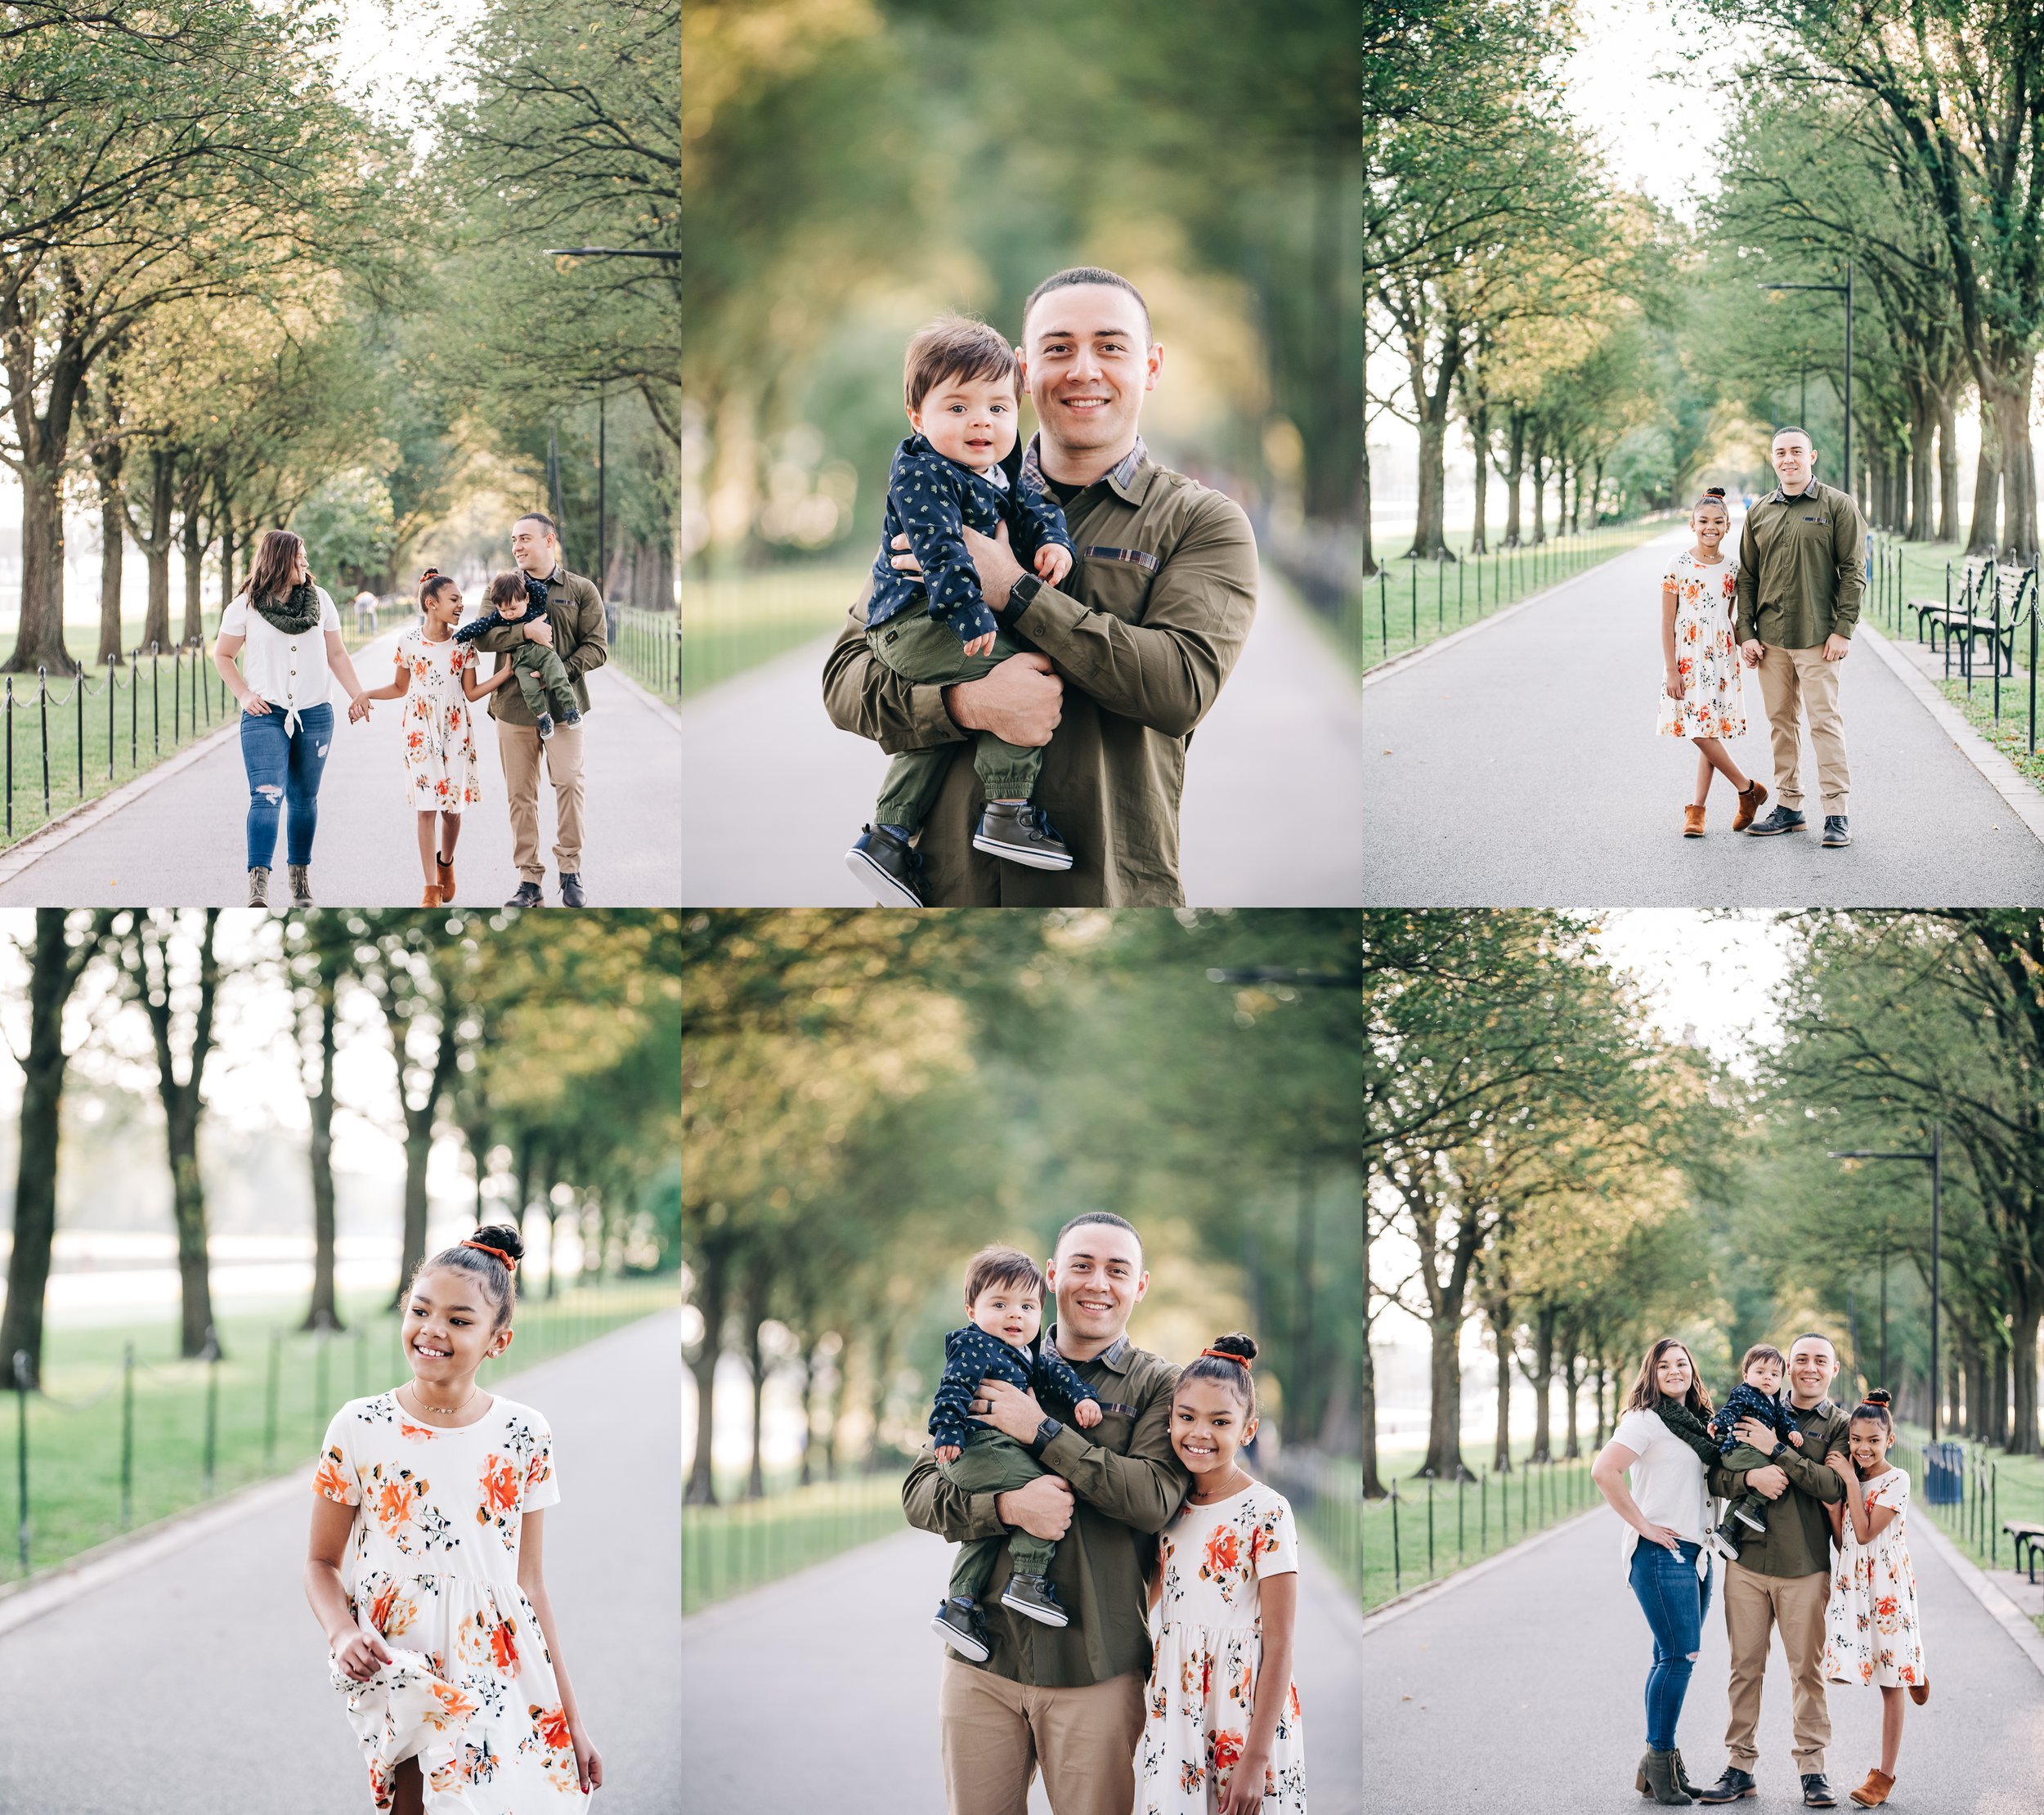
x=198, y=1685
x=1523, y=1691
x=178, y=843
x=848, y=1643
x=1273, y=801
x=1521, y=768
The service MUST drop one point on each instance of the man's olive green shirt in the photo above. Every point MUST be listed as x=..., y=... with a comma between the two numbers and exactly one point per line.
x=1802, y=568
x=1127, y=1485
x=581, y=640
x=1797, y=1538
x=1144, y=630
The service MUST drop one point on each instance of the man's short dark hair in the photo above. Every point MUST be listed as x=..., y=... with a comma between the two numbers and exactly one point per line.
x=1085, y=274
x=537, y=517
x=1007, y=1266
x=1795, y=428
x=953, y=346
x=1815, y=1336
x=1107, y=1217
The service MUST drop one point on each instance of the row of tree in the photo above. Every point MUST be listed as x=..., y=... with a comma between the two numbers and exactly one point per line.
x=869, y=1097
x=556, y=1042
x=231, y=297
x=1547, y=1168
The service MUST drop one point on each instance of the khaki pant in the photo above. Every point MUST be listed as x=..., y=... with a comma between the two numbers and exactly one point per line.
x=1796, y=684
x=519, y=747
x=1754, y=1605
x=997, y=1734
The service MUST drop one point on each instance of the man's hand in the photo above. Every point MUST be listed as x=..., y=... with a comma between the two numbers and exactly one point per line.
x=1009, y=1409
x=992, y=559
x=1755, y=1435
x=1753, y=649
x=1020, y=701
x=1043, y=1508
x=1836, y=647
x=1770, y=1482
x=539, y=630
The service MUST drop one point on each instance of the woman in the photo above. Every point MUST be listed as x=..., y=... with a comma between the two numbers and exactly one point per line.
x=1668, y=1506
x=289, y=635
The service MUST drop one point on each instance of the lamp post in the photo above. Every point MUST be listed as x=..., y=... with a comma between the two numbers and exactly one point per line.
x=1845, y=290
x=1934, y=1156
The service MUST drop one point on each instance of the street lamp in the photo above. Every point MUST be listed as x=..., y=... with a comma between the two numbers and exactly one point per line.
x=1845, y=290
x=1934, y=1156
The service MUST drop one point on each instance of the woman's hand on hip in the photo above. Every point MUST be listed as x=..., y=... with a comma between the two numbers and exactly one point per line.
x=589, y=1762
x=1666, y=1536
x=361, y=1654
x=255, y=706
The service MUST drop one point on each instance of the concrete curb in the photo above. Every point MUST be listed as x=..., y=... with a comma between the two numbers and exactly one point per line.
x=1999, y=1608
x=1432, y=1591
x=663, y=707
x=1996, y=770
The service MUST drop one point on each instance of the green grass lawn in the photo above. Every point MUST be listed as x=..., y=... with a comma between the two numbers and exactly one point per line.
x=1410, y=603
x=264, y=1422
x=728, y=626
x=1995, y=1487
x=726, y=1549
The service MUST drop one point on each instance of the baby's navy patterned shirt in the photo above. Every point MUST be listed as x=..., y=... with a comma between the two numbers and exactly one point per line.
x=929, y=498
x=535, y=613
x=1745, y=1401
x=971, y=1354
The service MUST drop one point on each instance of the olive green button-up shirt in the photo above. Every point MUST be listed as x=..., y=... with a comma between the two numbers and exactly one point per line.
x=581, y=640
x=1802, y=568
x=1144, y=630
x=1797, y=1538
x=1127, y=1485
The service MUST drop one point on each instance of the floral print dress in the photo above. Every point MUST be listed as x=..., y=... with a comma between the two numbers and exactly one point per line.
x=1713, y=703
x=441, y=773
x=1208, y=1633
x=433, y=1565
x=1871, y=1634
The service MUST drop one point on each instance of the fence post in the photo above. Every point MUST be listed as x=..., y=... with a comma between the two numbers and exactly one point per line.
x=213, y=1405
x=21, y=1453
x=42, y=716
x=110, y=691
x=81, y=730
x=1430, y=1571
x=9, y=711
x=127, y=1434
x=156, y=698
x=1397, y=1561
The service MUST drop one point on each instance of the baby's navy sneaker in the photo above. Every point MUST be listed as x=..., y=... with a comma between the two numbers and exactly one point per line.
x=1022, y=833
x=546, y=726
x=883, y=859
x=1722, y=1543
x=957, y=1623
x=572, y=716
x=1034, y=1597
x=1748, y=1517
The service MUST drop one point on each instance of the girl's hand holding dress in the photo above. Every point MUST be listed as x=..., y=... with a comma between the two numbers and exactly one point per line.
x=361, y=1654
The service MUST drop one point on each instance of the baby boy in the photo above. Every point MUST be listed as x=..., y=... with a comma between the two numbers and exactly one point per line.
x=1754, y=1396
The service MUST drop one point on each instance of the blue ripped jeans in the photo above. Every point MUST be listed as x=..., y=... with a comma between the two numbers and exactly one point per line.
x=283, y=771
x=1674, y=1598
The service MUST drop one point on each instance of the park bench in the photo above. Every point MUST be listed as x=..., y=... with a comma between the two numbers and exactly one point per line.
x=1994, y=601
x=2026, y=1532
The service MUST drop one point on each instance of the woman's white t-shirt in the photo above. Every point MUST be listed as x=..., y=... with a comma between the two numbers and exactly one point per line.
x=289, y=671
x=1667, y=1482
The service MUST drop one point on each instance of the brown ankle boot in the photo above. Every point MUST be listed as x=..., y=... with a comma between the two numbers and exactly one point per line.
x=1749, y=799
x=1692, y=821
x=1874, y=1792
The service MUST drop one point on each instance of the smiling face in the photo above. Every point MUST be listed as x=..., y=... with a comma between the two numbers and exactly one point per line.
x=1812, y=1366
x=1088, y=362
x=1010, y=1312
x=1868, y=1438
x=1793, y=459
x=1209, y=1423
x=1710, y=522
x=970, y=420
x=1764, y=1376
x=1673, y=1372
x=1097, y=1274
x=449, y=1331
x=444, y=606
x=534, y=548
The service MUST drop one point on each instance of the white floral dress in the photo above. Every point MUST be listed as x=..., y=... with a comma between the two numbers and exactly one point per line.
x=1713, y=703
x=1209, y=1637
x=1871, y=1633
x=433, y=1565
x=441, y=773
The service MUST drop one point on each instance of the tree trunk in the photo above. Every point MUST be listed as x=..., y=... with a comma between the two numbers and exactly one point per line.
x=1373, y=1486
x=418, y=1131
x=1444, y=1408
x=1572, y=1376
x=1947, y=467
x=1480, y=435
x=322, y=1313
x=1541, y=1373
x=758, y=1278
x=1501, y=1334
x=155, y=547
x=1429, y=540
x=1537, y=459
x=2022, y=1430
x=710, y=1263
x=1513, y=476
x=1363, y=509
x=2018, y=463
x=39, y=641
x=1923, y=434
x=1987, y=482
x=194, y=609
x=113, y=549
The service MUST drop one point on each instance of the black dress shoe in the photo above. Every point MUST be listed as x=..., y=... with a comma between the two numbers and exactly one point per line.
x=1816, y=1793
x=528, y=896
x=1734, y=1784
x=572, y=895
x=1782, y=819
x=1837, y=831
x=885, y=861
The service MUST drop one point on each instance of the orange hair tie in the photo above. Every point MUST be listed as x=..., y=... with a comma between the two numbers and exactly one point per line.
x=508, y=1260
x=1227, y=1354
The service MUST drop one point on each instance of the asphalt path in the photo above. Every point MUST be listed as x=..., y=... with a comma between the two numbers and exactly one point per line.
x=198, y=1685
x=819, y=1691
x=177, y=842
x=1523, y=1689
x=1271, y=816
x=1520, y=768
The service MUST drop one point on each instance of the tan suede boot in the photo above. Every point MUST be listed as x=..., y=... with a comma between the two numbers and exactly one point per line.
x=1749, y=799
x=1692, y=821
x=1874, y=1792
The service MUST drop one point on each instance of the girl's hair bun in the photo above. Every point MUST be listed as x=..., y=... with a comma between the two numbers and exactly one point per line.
x=431, y=573
x=1879, y=1395
x=1713, y=491
x=1235, y=1344
x=503, y=1236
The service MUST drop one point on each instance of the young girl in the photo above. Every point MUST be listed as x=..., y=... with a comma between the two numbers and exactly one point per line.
x=1222, y=1735
x=440, y=740
x=426, y=1534
x=1702, y=697
x=1870, y=1624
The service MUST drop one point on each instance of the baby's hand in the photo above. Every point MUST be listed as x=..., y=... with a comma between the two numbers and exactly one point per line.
x=361, y=1654
x=948, y=1452
x=1052, y=562
x=1796, y=1437
x=981, y=646
x=1086, y=1412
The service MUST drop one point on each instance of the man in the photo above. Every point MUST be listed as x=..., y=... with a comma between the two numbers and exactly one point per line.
x=1782, y=1576
x=1802, y=574
x=1066, y=1699
x=1145, y=631
x=574, y=628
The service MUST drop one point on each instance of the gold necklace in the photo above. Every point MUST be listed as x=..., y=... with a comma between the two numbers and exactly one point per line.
x=445, y=1411
x=1235, y=1470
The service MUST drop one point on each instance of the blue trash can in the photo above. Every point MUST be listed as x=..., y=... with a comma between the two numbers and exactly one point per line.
x=1944, y=1473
